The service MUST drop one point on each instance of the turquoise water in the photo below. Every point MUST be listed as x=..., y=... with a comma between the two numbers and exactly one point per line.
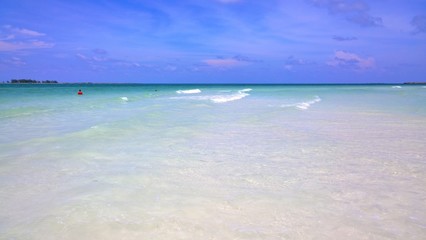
x=212, y=162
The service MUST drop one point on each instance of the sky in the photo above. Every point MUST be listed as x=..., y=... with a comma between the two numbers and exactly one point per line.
x=213, y=41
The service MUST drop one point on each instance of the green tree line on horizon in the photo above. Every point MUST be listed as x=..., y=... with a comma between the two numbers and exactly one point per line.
x=31, y=81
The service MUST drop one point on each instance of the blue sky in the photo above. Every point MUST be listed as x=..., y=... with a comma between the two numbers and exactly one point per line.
x=214, y=41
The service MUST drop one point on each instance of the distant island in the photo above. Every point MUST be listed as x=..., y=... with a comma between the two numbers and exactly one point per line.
x=32, y=81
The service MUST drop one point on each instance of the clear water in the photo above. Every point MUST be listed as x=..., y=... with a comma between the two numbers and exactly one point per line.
x=212, y=162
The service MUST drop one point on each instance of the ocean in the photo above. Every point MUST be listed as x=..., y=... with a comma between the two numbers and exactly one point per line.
x=134, y=161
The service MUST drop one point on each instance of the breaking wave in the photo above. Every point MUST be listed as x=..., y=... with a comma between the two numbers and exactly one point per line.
x=217, y=98
x=245, y=90
x=190, y=91
x=303, y=105
x=232, y=97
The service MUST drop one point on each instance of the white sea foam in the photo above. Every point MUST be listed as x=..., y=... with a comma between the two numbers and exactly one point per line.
x=215, y=98
x=232, y=97
x=125, y=99
x=303, y=105
x=219, y=98
x=198, y=98
x=246, y=90
x=396, y=87
x=190, y=91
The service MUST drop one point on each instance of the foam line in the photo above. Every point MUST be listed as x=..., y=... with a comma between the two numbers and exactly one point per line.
x=190, y=91
x=303, y=105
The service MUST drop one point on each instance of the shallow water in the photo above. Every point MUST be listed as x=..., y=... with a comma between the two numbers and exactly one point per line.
x=212, y=162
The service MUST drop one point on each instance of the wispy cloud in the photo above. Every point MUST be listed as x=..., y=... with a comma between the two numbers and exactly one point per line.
x=92, y=59
x=7, y=37
x=100, y=60
x=292, y=62
x=351, y=61
x=6, y=46
x=236, y=61
x=15, y=61
x=83, y=57
x=27, y=32
x=243, y=58
x=23, y=31
x=14, y=39
x=356, y=11
x=419, y=23
x=223, y=63
x=343, y=39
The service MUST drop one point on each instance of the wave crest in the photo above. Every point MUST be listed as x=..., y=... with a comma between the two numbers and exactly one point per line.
x=189, y=91
x=303, y=105
x=218, y=98
x=245, y=90
x=228, y=98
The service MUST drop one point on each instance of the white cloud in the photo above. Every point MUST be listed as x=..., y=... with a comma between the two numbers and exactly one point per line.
x=235, y=61
x=7, y=46
x=14, y=61
x=343, y=39
x=292, y=62
x=28, y=32
x=81, y=56
x=15, y=39
x=92, y=58
x=351, y=61
x=223, y=63
x=7, y=37
x=23, y=31
x=355, y=11
x=99, y=61
x=41, y=44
